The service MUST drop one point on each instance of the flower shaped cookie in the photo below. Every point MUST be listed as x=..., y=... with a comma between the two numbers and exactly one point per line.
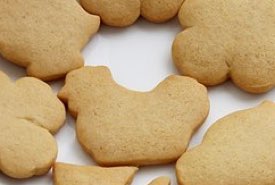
x=228, y=39
x=29, y=114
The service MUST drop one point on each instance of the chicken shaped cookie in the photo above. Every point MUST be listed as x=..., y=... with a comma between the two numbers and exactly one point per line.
x=228, y=39
x=29, y=114
x=45, y=36
x=239, y=149
x=117, y=126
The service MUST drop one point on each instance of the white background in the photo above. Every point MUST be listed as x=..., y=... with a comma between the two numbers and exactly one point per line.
x=139, y=58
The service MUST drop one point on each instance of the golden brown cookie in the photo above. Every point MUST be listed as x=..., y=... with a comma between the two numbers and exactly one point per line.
x=118, y=13
x=161, y=181
x=237, y=150
x=228, y=39
x=121, y=13
x=45, y=36
x=29, y=111
x=159, y=11
x=66, y=174
x=117, y=126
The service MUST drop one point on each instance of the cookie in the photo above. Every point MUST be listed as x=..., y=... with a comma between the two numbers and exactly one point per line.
x=121, y=13
x=46, y=37
x=237, y=149
x=221, y=42
x=66, y=174
x=119, y=127
x=161, y=181
x=159, y=11
x=29, y=112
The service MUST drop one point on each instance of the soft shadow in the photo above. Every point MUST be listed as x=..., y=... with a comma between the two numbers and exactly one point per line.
x=12, y=70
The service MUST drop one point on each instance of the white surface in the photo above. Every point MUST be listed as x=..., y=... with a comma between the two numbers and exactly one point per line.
x=139, y=58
